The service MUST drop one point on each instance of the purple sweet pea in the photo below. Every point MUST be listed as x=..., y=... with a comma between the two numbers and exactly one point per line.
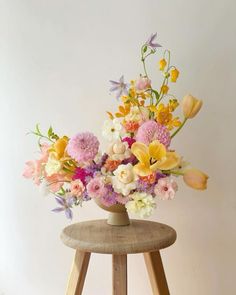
x=120, y=87
x=150, y=42
x=66, y=205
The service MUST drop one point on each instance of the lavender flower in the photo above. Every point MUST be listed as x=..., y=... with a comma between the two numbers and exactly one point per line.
x=66, y=205
x=150, y=42
x=120, y=87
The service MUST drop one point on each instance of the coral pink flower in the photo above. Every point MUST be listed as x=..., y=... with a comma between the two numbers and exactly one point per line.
x=77, y=188
x=32, y=170
x=96, y=188
x=151, y=130
x=111, y=165
x=83, y=147
x=166, y=188
x=143, y=83
x=55, y=182
x=131, y=126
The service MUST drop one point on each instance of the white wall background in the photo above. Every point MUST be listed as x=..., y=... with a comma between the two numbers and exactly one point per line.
x=56, y=59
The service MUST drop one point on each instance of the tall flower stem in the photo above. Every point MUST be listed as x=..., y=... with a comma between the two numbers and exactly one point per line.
x=180, y=127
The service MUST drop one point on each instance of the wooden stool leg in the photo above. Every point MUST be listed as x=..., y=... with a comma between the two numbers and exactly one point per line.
x=78, y=273
x=156, y=273
x=119, y=275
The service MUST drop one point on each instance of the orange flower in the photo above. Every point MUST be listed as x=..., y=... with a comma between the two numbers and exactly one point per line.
x=131, y=126
x=150, y=179
x=111, y=165
x=164, y=89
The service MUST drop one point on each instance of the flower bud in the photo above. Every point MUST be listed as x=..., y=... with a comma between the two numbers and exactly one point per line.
x=164, y=89
x=191, y=106
x=174, y=74
x=162, y=64
x=195, y=179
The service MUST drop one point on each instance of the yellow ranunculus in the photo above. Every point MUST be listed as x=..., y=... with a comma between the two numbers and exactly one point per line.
x=162, y=64
x=153, y=157
x=59, y=147
x=191, y=106
x=195, y=179
x=174, y=74
x=164, y=89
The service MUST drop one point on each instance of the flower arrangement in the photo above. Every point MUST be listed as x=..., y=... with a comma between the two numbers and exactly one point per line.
x=139, y=165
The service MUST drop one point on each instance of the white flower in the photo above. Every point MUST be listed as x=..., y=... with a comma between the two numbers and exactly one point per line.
x=137, y=114
x=142, y=204
x=118, y=150
x=53, y=165
x=124, y=179
x=112, y=129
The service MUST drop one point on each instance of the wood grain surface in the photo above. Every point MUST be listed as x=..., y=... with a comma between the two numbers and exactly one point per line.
x=139, y=237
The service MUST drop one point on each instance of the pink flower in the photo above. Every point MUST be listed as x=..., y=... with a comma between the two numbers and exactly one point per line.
x=32, y=170
x=77, y=188
x=83, y=147
x=55, y=182
x=96, y=188
x=129, y=140
x=151, y=130
x=166, y=188
x=122, y=199
x=143, y=83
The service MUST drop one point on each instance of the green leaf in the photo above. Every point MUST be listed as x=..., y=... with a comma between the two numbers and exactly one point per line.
x=144, y=48
x=37, y=129
x=50, y=131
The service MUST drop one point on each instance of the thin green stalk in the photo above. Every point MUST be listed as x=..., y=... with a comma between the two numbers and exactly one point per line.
x=180, y=127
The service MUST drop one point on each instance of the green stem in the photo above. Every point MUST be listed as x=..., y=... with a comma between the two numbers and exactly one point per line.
x=180, y=127
x=173, y=172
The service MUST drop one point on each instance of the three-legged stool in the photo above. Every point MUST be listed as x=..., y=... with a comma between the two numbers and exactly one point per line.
x=98, y=237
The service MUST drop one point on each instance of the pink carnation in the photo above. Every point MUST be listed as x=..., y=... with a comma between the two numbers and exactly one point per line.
x=96, y=188
x=83, y=147
x=166, y=188
x=151, y=130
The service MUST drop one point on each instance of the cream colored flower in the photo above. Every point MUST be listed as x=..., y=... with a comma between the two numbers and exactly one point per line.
x=53, y=165
x=112, y=130
x=137, y=114
x=124, y=179
x=118, y=150
x=142, y=204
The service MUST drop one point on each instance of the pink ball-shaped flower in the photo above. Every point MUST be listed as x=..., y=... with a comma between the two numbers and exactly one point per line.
x=151, y=130
x=83, y=147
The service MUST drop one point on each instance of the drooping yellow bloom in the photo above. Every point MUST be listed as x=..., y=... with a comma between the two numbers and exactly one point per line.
x=174, y=74
x=153, y=157
x=191, y=106
x=164, y=89
x=195, y=179
x=162, y=64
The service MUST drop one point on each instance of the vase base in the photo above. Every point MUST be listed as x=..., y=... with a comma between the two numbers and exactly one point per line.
x=118, y=218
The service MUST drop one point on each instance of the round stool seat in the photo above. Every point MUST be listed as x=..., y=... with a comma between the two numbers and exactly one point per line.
x=98, y=237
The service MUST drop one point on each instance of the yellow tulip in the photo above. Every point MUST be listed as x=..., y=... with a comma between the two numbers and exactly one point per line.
x=191, y=106
x=164, y=89
x=195, y=179
x=153, y=157
x=162, y=64
x=174, y=74
x=59, y=146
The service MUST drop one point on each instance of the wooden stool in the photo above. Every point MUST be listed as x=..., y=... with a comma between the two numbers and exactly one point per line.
x=98, y=237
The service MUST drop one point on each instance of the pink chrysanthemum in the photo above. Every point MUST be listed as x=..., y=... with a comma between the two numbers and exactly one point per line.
x=151, y=130
x=83, y=147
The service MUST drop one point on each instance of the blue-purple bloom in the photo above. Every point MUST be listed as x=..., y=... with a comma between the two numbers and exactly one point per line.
x=109, y=198
x=120, y=87
x=65, y=205
x=151, y=42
